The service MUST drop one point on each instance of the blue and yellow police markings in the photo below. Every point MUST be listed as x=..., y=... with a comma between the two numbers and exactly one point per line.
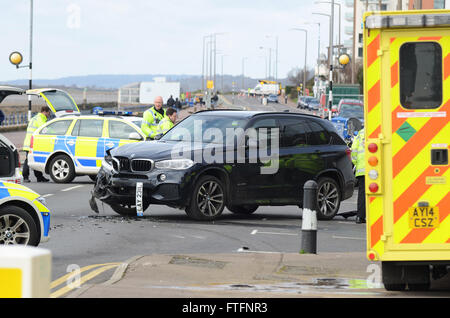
x=75, y=278
x=13, y=191
x=85, y=151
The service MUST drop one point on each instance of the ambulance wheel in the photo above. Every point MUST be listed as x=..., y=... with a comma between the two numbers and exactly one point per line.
x=62, y=169
x=127, y=209
x=392, y=276
x=17, y=227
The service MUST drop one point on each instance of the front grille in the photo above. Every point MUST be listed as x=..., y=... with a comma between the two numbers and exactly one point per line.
x=141, y=165
x=121, y=164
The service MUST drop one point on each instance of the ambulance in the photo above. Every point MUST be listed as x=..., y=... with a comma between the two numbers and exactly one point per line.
x=407, y=105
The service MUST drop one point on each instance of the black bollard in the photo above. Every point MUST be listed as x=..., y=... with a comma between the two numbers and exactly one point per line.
x=309, y=219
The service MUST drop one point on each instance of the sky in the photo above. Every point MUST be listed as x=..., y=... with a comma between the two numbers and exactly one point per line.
x=86, y=37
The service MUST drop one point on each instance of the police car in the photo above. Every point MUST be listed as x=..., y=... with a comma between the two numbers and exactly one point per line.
x=349, y=120
x=24, y=216
x=72, y=146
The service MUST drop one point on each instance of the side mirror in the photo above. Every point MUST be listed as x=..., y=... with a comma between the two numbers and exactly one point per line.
x=134, y=136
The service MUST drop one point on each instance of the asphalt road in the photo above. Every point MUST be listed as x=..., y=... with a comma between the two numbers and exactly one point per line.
x=80, y=237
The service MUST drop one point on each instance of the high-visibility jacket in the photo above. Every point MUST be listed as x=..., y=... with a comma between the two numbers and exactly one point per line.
x=358, y=153
x=35, y=122
x=151, y=121
x=164, y=125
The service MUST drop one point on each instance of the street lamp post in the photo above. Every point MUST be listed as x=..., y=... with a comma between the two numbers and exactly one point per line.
x=276, y=56
x=16, y=58
x=243, y=73
x=270, y=59
x=306, y=50
x=329, y=17
x=340, y=20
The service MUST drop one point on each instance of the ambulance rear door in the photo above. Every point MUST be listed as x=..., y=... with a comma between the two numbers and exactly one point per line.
x=407, y=112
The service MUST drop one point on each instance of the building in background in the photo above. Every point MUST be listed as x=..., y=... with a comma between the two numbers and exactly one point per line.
x=428, y=4
x=145, y=92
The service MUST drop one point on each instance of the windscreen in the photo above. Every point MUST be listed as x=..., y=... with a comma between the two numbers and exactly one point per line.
x=208, y=129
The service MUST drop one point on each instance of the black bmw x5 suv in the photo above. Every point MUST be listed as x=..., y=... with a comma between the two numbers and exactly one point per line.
x=234, y=159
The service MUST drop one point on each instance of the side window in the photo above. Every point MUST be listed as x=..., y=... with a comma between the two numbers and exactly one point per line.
x=293, y=132
x=88, y=128
x=120, y=130
x=57, y=128
x=266, y=123
x=265, y=135
x=317, y=135
x=421, y=75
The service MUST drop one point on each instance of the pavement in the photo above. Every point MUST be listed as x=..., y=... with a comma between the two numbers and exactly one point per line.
x=239, y=275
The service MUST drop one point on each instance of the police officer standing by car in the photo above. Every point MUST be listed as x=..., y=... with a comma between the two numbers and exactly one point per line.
x=359, y=162
x=35, y=122
x=152, y=117
x=167, y=122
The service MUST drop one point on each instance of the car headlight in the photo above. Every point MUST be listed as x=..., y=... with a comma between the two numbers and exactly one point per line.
x=42, y=201
x=175, y=164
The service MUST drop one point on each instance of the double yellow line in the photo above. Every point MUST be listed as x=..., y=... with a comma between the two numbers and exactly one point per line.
x=83, y=279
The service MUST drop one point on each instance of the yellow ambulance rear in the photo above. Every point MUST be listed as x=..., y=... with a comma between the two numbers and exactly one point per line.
x=407, y=104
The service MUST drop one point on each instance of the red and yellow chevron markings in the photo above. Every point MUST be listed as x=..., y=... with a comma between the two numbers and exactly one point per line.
x=412, y=140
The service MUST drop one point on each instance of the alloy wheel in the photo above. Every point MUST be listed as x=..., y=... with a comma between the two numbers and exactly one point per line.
x=14, y=230
x=210, y=198
x=328, y=198
x=60, y=169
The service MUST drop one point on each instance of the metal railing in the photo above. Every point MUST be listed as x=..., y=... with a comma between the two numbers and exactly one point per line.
x=14, y=119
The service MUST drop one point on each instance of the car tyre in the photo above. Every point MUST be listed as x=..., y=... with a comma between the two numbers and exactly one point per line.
x=62, y=169
x=207, y=200
x=17, y=227
x=243, y=209
x=328, y=198
x=127, y=210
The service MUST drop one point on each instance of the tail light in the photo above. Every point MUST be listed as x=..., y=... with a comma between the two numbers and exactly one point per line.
x=349, y=153
x=374, y=166
x=31, y=142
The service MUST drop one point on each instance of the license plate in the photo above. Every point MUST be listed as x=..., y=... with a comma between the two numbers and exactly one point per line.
x=424, y=217
x=139, y=199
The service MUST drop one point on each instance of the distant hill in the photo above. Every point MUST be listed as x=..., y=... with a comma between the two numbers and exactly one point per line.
x=113, y=82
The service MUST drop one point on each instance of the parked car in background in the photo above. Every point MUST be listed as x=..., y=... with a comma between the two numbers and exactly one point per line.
x=348, y=102
x=349, y=120
x=76, y=145
x=272, y=98
x=308, y=103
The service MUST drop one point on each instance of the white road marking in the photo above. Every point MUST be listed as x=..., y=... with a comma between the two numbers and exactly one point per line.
x=349, y=238
x=272, y=233
x=72, y=188
x=47, y=195
x=241, y=250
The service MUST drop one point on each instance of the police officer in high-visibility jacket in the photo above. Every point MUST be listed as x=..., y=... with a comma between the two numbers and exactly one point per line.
x=152, y=117
x=167, y=122
x=359, y=162
x=35, y=122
